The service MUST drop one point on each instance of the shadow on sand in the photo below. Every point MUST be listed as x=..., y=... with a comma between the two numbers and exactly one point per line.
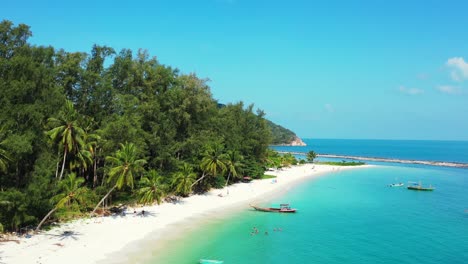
x=67, y=234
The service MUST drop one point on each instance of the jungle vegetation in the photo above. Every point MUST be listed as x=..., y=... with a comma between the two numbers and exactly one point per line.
x=81, y=131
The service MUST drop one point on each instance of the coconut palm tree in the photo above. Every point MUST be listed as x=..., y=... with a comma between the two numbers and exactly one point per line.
x=82, y=159
x=67, y=132
x=273, y=159
x=213, y=162
x=233, y=164
x=311, y=155
x=72, y=193
x=125, y=165
x=152, y=190
x=183, y=179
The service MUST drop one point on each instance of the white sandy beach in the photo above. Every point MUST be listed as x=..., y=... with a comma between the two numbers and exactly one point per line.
x=96, y=240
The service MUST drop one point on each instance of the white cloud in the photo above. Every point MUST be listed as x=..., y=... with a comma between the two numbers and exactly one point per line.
x=459, y=68
x=329, y=108
x=411, y=91
x=448, y=89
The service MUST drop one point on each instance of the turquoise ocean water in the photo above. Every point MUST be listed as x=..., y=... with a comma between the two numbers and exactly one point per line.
x=451, y=151
x=345, y=217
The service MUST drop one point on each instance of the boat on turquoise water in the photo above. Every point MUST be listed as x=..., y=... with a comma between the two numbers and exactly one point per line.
x=284, y=208
x=396, y=184
x=211, y=261
x=419, y=187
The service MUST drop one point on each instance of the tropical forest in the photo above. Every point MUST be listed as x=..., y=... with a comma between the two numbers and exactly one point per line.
x=80, y=132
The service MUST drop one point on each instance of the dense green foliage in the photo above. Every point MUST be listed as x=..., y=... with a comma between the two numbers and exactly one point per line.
x=280, y=135
x=277, y=160
x=79, y=129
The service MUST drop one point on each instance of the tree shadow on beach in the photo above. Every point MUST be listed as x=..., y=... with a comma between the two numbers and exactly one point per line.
x=67, y=234
x=146, y=214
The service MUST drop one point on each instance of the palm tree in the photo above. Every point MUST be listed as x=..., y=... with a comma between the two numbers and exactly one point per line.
x=214, y=161
x=83, y=158
x=288, y=159
x=4, y=158
x=86, y=155
x=126, y=165
x=67, y=132
x=311, y=155
x=72, y=193
x=152, y=189
x=93, y=145
x=233, y=164
x=183, y=179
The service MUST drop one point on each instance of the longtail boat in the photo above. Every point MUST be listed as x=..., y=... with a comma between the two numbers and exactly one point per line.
x=419, y=187
x=284, y=208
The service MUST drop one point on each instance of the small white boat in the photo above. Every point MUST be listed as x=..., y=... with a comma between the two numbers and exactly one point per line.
x=396, y=184
x=211, y=261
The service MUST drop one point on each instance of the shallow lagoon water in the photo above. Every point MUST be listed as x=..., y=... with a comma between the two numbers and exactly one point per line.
x=346, y=217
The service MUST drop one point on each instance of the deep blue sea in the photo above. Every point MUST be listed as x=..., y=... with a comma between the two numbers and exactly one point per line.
x=349, y=216
x=451, y=151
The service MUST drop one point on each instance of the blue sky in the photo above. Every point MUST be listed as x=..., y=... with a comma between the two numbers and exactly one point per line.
x=325, y=69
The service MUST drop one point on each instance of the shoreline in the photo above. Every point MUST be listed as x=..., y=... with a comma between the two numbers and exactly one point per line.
x=449, y=164
x=114, y=239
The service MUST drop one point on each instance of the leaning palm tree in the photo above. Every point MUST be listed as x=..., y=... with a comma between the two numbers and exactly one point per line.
x=67, y=132
x=213, y=162
x=233, y=164
x=183, y=179
x=152, y=190
x=125, y=165
x=72, y=193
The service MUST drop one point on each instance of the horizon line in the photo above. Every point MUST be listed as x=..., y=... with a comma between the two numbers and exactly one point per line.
x=389, y=139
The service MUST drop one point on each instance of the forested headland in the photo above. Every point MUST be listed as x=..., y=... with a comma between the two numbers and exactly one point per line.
x=282, y=136
x=79, y=131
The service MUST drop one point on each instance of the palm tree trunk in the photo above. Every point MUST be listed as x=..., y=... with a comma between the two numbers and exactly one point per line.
x=63, y=164
x=229, y=175
x=201, y=178
x=95, y=172
x=227, y=181
x=102, y=200
x=45, y=218
x=57, y=169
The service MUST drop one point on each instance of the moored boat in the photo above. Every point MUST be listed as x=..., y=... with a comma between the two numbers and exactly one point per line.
x=419, y=187
x=284, y=208
x=396, y=184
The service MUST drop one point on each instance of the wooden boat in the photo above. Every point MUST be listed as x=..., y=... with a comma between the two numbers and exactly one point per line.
x=211, y=261
x=396, y=184
x=419, y=187
x=284, y=208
